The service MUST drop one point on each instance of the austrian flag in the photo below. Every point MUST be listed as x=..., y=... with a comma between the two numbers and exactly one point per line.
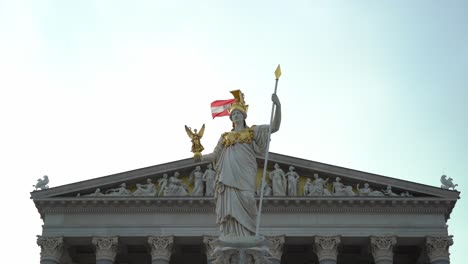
x=221, y=107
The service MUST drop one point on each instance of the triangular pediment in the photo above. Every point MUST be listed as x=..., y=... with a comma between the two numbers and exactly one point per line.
x=106, y=186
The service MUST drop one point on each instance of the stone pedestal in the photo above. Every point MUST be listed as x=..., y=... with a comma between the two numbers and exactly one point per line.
x=241, y=250
x=106, y=249
x=51, y=249
x=382, y=248
x=437, y=248
x=161, y=249
x=326, y=248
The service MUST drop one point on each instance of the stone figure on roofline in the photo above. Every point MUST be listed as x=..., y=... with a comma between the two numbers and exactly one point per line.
x=308, y=187
x=163, y=184
x=120, y=191
x=278, y=181
x=236, y=166
x=319, y=186
x=97, y=192
x=197, y=177
x=388, y=191
x=339, y=189
x=42, y=183
x=266, y=189
x=293, y=180
x=209, y=177
x=367, y=191
x=447, y=183
x=148, y=189
x=176, y=187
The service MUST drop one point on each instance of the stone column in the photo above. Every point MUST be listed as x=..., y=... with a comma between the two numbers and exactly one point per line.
x=326, y=248
x=106, y=249
x=382, y=248
x=51, y=249
x=161, y=248
x=276, y=248
x=437, y=248
x=209, y=247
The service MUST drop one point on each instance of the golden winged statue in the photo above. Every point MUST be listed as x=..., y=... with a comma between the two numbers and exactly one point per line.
x=195, y=136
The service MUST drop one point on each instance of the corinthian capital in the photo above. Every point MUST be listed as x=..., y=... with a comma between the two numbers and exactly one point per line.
x=326, y=247
x=161, y=247
x=382, y=247
x=51, y=248
x=437, y=247
x=106, y=247
x=276, y=246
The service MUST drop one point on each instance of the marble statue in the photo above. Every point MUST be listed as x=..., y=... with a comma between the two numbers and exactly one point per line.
x=148, y=189
x=97, y=192
x=209, y=177
x=293, y=180
x=388, y=191
x=42, y=183
x=406, y=194
x=195, y=137
x=308, y=187
x=197, y=177
x=339, y=189
x=162, y=184
x=176, y=187
x=121, y=191
x=278, y=181
x=236, y=165
x=319, y=186
x=266, y=189
x=367, y=191
x=447, y=183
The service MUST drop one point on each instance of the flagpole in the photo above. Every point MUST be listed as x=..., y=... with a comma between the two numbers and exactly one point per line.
x=259, y=213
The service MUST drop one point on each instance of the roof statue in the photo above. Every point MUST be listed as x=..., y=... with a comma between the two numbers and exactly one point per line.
x=196, y=136
x=42, y=183
x=447, y=183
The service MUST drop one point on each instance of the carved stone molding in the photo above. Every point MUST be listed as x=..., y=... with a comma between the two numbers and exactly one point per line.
x=161, y=247
x=382, y=247
x=51, y=248
x=437, y=248
x=326, y=247
x=106, y=247
x=276, y=246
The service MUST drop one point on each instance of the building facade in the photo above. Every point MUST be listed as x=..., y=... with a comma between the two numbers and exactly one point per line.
x=325, y=214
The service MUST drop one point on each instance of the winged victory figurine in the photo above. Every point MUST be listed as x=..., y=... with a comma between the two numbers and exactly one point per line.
x=196, y=136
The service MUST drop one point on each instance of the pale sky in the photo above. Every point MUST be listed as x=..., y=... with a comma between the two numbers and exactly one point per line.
x=92, y=88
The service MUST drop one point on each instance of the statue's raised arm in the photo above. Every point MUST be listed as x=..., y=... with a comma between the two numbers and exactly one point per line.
x=275, y=125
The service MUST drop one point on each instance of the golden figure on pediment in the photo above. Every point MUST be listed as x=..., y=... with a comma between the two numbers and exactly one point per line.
x=195, y=137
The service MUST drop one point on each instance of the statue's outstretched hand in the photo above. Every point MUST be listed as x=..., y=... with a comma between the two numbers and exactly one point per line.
x=275, y=99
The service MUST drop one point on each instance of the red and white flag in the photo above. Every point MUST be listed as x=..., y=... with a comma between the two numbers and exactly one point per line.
x=221, y=107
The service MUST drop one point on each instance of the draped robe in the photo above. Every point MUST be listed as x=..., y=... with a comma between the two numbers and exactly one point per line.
x=236, y=168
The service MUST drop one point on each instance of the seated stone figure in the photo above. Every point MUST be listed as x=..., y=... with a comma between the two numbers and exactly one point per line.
x=367, y=191
x=389, y=192
x=148, y=189
x=176, y=187
x=319, y=186
x=339, y=189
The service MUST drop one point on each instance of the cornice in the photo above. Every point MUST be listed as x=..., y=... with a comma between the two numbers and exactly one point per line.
x=306, y=205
